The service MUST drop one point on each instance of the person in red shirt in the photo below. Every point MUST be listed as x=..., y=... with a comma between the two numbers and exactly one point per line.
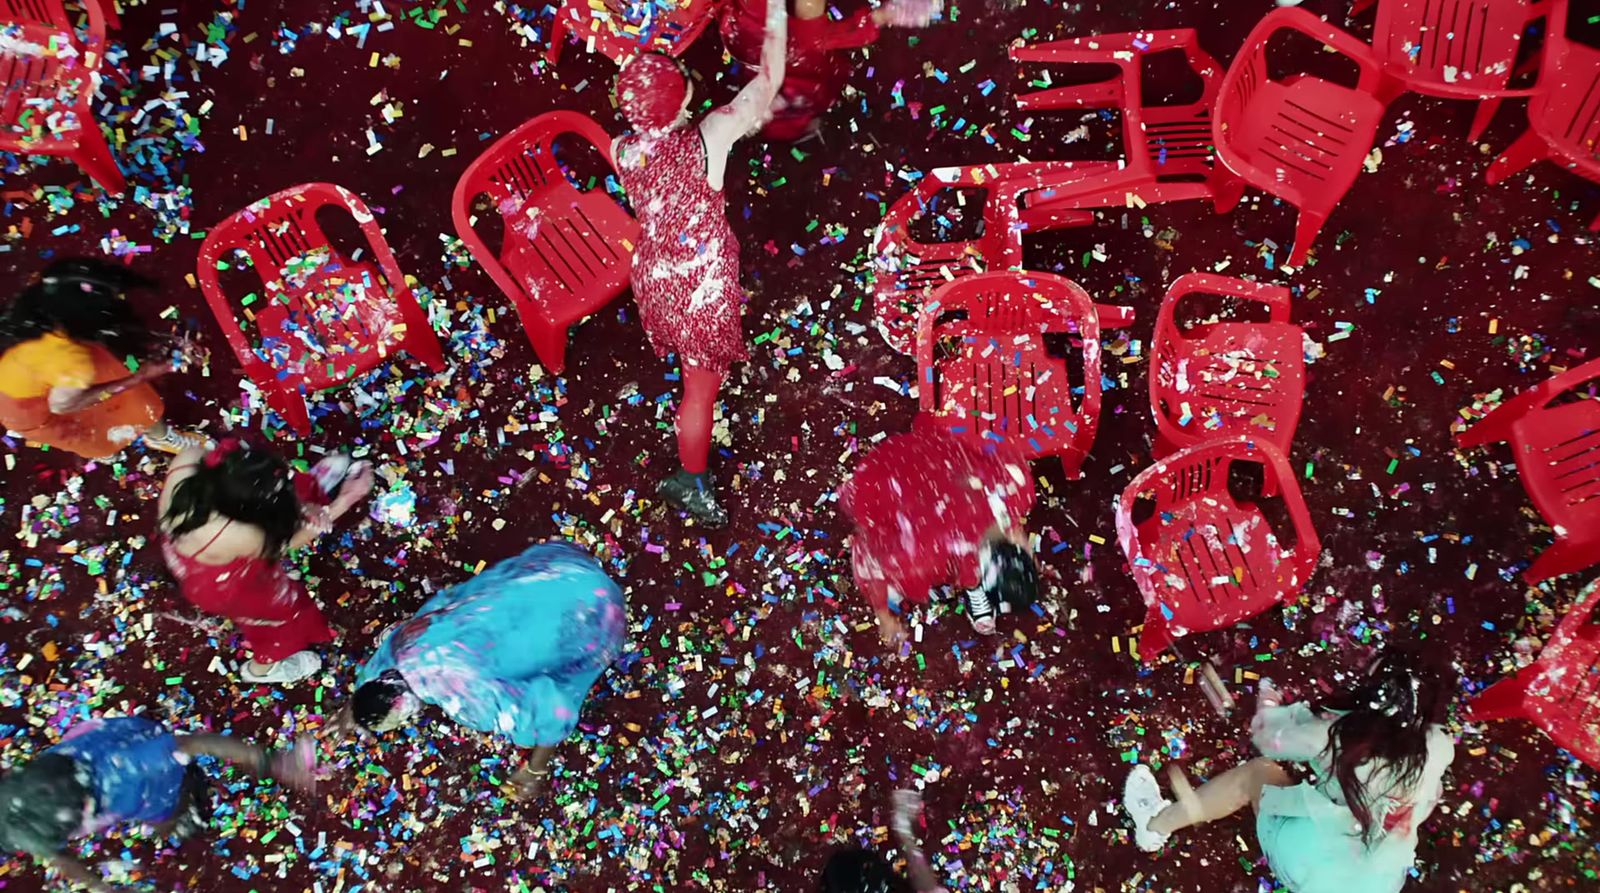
x=818, y=59
x=929, y=511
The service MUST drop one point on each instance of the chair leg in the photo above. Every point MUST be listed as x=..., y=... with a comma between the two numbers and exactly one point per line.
x=1157, y=636
x=1565, y=556
x=1227, y=191
x=1595, y=223
x=1528, y=148
x=1361, y=6
x=558, y=36
x=1389, y=89
x=1482, y=116
x=108, y=9
x=1305, y=232
x=289, y=405
x=549, y=344
x=94, y=157
x=1502, y=700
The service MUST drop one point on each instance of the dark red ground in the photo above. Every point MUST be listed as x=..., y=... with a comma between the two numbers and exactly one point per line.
x=1022, y=747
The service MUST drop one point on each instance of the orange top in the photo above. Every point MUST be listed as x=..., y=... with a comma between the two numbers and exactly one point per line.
x=32, y=368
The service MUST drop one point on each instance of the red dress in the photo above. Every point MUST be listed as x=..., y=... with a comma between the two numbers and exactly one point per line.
x=818, y=63
x=921, y=503
x=273, y=612
x=686, y=265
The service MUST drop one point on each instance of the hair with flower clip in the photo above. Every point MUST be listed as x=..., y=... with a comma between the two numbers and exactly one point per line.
x=242, y=485
x=81, y=298
x=1385, y=718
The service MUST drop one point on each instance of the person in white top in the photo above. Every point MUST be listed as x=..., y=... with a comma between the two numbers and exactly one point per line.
x=1378, y=757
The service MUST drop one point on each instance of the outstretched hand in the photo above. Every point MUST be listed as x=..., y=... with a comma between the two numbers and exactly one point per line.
x=908, y=13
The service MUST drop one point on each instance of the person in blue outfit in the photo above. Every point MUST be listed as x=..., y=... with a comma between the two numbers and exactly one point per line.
x=1378, y=754
x=108, y=772
x=512, y=651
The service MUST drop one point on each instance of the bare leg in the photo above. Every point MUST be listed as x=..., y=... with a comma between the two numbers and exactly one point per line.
x=528, y=781
x=1220, y=797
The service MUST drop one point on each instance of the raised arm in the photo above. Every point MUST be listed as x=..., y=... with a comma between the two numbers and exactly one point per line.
x=750, y=109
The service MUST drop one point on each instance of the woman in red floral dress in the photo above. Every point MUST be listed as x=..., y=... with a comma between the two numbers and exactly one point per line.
x=686, y=265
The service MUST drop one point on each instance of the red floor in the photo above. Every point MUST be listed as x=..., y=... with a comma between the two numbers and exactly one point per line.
x=756, y=724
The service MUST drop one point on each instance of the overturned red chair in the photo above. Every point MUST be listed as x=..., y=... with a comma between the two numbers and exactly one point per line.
x=48, y=80
x=1226, y=378
x=1563, y=117
x=1302, y=139
x=1167, y=148
x=907, y=270
x=1203, y=559
x=565, y=254
x=323, y=318
x=618, y=38
x=1000, y=386
x=1560, y=691
x=1554, y=430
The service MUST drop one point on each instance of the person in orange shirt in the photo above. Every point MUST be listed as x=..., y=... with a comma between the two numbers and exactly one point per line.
x=63, y=382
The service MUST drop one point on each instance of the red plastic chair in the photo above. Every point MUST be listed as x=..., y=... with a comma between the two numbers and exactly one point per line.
x=618, y=38
x=1223, y=379
x=324, y=318
x=1168, y=153
x=1003, y=389
x=907, y=271
x=1560, y=691
x=1557, y=451
x=1302, y=139
x=1457, y=49
x=1202, y=560
x=566, y=253
x=49, y=81
x=1563, y=117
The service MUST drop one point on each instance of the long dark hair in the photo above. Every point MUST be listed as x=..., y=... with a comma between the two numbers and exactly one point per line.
x=1386, y=718
x=81, y=298
x=241, y=484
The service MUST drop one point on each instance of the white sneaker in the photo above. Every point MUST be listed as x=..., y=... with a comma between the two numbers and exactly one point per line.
x=980, y=610
x=293, y=668
x=1141, y=797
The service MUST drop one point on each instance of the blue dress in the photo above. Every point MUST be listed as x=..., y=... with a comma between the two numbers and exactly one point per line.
x=514, y=650
x=135, y=771
x=1309, y=835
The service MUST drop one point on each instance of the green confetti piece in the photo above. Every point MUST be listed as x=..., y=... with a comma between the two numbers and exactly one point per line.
x=174, y=680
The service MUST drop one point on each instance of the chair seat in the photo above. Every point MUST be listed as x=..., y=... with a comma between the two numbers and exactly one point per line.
x=1215, y=564
x=331, y=324
x=1312, y=133
x=1452, y=47
x=1237, y=378
x=1558, y=456
x=566, y=262
x=1007, y=391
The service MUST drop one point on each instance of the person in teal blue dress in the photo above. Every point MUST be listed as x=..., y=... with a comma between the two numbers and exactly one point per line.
x=1378, y=756
x=512, y=652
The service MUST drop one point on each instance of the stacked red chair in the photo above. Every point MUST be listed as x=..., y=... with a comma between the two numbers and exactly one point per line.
x=565, y=253
x=1455, y=49
x=1560, y=691
x=1226, y=378
x=1302, y=139
x=622, y=29
x=322, y=318
x=1202, y=559
x=48, y=79
x=908, y=270
x=1000, y=387
x=1564, y=115
x=1167, y=149
x=1554, y=431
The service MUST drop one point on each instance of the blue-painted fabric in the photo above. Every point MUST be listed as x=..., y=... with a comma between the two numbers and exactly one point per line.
x=514, y=650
